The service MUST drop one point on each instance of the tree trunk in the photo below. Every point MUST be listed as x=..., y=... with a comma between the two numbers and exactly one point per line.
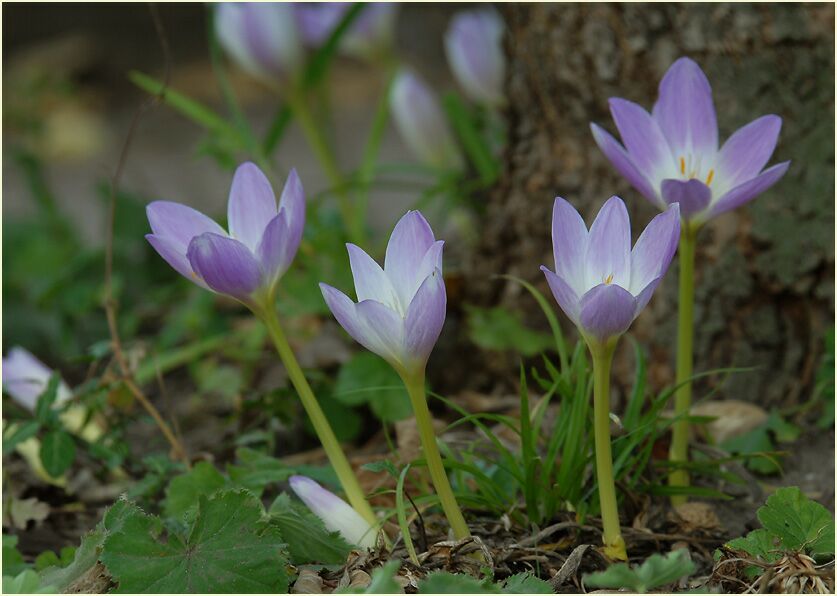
x=765, y=272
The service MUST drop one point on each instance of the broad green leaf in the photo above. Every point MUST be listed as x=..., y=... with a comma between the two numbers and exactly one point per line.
x=255, y=470
x=43, y=408
x=785, y=431
x=526, y=583
x=57, y=452
x=801, y=524
x=84, y=559
x=307, y=538
x=442, y=582
x=499, y=329
x=756, y=442
x=27, y=582
x=230, y=547
x=13, y=563
x=656, y=571
x=758, y=543
x=368, y=379
x=184, y=491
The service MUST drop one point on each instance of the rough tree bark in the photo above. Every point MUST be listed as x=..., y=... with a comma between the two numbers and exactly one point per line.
x=765, y=273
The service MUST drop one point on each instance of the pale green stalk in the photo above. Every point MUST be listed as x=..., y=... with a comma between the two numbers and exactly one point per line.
x=415, y=388
x=614, y=545
x=685, y=331
x=315, y=413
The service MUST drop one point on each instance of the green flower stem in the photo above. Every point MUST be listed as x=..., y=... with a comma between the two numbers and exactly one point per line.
x=614, y=545
x=415, y=387
x=318, y=420
x=685, y=331
x=319, y=145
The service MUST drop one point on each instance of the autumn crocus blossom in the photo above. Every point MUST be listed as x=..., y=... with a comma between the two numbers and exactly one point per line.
x=25, y=378
x=672, y=155
x=599, y=282
x=335, y=513
x=246, y=262
x=369, y=34
x=401, y=307
x=474, y=47
x=422, y=123
x=262, y=37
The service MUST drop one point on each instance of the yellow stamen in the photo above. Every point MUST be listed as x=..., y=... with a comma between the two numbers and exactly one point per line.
x=709, y=177
x=608, y=279
x=682, y=166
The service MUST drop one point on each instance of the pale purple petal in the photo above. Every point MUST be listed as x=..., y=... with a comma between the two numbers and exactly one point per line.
x=620, y=159
x=748, y=150
x=693, y=195
x=418, y=114
x=749, y=190
x=685, y=111
x=654, y=249
x=343, y=309
x=645, y=294
x=336, y=515
x=276, y=250
x=642, y=137
x=292, y=204
x=178, y=224
x=225, y=264
x=566, y=297
x=371, y=283
x=251, y=206
x=174, y=257
x=608, y=257
x=425, y=319
x=473, y=44
x=606, y=311
x=569, y=243
x=25, y=378
x=409, y=242
x=383, y=330
x=431, y=261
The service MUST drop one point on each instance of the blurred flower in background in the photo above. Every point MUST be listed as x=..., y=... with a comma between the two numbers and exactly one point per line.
x=474, y=46
x=370, y=35
x=262, y=38
x=421, y=121
x=25, y=378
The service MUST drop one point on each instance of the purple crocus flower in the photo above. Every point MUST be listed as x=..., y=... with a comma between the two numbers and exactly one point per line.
x=247, y=262
x=369, y=33
x=474, y=46
x=335, y=513
x=672, y=156
x=599, y=282
x=401, y=308
x=421, y=121
x=261, y=37
x=25, y=378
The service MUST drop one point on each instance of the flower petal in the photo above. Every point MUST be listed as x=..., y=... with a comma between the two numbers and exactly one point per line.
x=608, y=255
x=474, y=47
x=410, y=240
x=276, y=250
x=642, y=137
x=178, y=224
x=569, y=243
x=343, y=309
x=251, y=206
x=748, y=150
x=645, y=294
x=431, y=262
x=384, y=330
x=620, y=159
x=654, y=249
x=685, y=111
x=337, y=515
x=749, y=190
x=225, y=264
x=174, y=257
x=292, y=204
x=607, y=310
x=564, y=295
x=424, y=320
x=371, y=283
x=693, y=195
x=25, y=378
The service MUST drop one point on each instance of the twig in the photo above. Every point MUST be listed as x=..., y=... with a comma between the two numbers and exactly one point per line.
x=109, y=302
